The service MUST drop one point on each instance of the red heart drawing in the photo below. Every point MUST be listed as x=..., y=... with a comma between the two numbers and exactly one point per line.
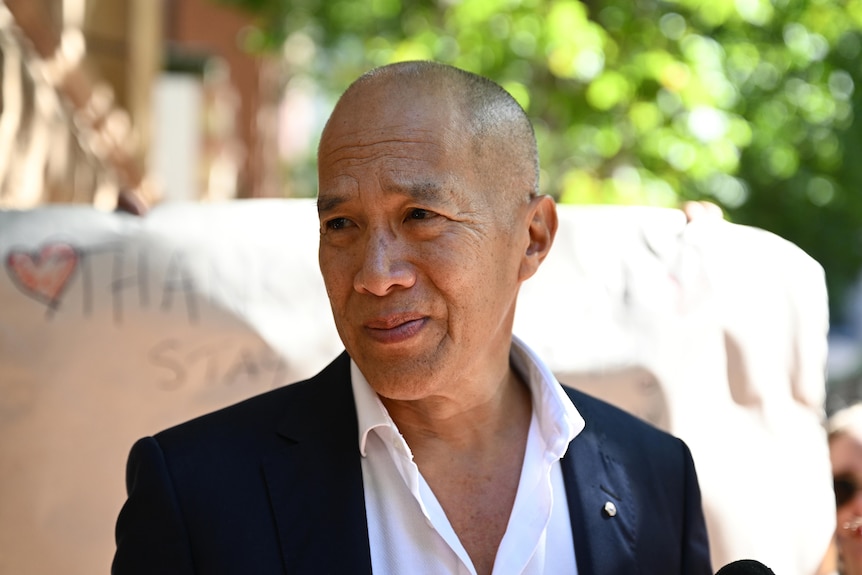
x=43, y=274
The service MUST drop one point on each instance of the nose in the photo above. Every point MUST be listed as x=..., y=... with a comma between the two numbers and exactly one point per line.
x=384, y=266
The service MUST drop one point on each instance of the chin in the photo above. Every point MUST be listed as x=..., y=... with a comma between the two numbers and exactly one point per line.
x=396, y=384
x=399, y=389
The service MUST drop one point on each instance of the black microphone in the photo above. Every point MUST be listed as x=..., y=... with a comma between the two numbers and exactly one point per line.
x=745, y=567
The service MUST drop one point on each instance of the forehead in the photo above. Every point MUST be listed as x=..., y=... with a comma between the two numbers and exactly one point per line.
x=406, y=138
x=421, y=162
x=846, y=452
x=393, y=111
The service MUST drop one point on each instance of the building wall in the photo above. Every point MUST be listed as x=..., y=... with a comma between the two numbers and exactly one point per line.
x=204, y=27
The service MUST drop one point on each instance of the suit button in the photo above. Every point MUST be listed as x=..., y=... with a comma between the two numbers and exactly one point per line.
x=610, y=509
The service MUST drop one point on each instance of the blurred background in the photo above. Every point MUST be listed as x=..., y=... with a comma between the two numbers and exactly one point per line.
x=749, y=104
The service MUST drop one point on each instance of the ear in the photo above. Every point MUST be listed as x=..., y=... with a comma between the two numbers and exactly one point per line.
x=542, y=215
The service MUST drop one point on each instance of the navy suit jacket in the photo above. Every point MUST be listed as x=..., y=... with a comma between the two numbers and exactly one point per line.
x=274, y=485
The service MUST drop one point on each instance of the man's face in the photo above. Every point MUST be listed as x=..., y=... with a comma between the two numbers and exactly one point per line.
x=420, y=264
x=846, y=455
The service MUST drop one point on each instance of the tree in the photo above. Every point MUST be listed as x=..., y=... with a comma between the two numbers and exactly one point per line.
x=748, y=104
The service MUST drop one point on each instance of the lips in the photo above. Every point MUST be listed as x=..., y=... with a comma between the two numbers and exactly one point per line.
x=394, y=328
x=853, y=528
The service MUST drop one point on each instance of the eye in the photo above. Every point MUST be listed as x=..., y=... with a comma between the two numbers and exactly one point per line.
x=336, y=224
x=418, y=214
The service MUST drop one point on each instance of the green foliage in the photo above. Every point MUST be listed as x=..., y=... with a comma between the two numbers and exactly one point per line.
x=749, y=104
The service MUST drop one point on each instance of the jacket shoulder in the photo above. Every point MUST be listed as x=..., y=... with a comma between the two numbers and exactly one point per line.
x=316, y=398
x=627, y=433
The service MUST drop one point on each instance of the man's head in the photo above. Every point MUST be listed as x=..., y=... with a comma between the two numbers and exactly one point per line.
x=430, y=221
x=502, y=142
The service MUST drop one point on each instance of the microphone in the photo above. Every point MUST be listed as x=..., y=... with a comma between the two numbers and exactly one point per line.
x=745, y=567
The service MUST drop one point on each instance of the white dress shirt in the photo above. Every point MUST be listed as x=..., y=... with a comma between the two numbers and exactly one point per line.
x=408, y=529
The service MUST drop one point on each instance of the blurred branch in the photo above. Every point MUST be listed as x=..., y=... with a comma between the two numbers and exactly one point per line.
x=101, y=127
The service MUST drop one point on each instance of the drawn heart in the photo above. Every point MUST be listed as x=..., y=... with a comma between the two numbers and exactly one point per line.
x=43, y=274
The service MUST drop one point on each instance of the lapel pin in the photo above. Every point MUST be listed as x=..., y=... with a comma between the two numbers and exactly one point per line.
x=610, y=509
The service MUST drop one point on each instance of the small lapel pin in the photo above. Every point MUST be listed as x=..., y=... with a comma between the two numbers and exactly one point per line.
x=610, y=509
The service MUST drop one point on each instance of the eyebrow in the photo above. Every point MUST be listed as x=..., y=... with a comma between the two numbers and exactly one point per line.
x=329, y=203
x=423, y=191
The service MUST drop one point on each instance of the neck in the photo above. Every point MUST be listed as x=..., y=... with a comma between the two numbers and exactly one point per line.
x=468, y=424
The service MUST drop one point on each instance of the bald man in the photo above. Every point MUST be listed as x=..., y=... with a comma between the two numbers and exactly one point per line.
x=437, y=443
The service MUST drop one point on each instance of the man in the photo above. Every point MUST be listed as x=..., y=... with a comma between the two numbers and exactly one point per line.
x=438, y=443
x=844, y=428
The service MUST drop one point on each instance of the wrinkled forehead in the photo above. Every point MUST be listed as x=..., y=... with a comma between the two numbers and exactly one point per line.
x=396, y=157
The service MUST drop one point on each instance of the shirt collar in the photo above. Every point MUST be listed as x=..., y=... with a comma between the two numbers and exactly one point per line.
x=559, y=420
x=370, y=411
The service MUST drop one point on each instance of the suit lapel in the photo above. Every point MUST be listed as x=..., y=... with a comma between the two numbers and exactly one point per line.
x=315, y=483
x=601, y=504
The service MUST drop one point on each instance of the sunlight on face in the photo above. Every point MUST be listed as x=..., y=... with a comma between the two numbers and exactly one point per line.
x=420, y=264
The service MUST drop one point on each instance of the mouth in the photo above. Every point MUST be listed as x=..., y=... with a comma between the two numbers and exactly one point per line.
x=395, y=328
x=853, y=528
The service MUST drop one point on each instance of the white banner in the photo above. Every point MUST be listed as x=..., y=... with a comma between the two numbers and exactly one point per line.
x=113, y=327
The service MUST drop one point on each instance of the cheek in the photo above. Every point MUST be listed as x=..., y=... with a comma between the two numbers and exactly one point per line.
x=454, y=267
x=479, y=283
x=335, y=269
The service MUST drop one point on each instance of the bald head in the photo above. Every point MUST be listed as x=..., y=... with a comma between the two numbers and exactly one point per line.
x=501, y=136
